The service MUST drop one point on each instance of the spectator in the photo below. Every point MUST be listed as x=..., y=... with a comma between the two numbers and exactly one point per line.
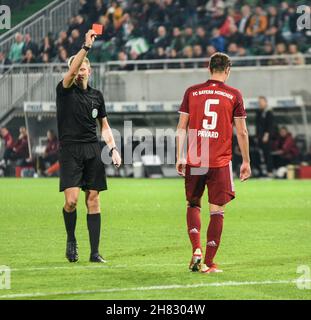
x=134, y=55
x=232, y=49
x=264, y=123
x=199, y=54
x=244, y=22
x=212, y=5
x=298, y=58
x=224, y=29
x=234, y=35
x=127, y=30
x=8, y=146
x=162, y=39
x=171, y=16
x=159, y=54
x=189, y=9
x=288, y=18
x=62, y=40
x=44, y=58
x=123, y=66
x=29, y=44
x=178, y=41
x=170, y=25
x=78, y=23
x=189, y=37
x=172, y=54
x=29, y=57
x=197, y=51
x=210, y=50
x=285, y=149
x=242, y=53
x=217, y=40
x=272, y=32
x=281, y=50
x=267, y=50
x=75, y=42
x=187, y=54
x=96, y=11
x=257, y=25
x=48, y=46
x=50, y=155
x=4, y=61
x=16, y=51
x=20, y=152
x=115, y=13
x=85, y=7
x=81, y=25
x=201, y=38
x=218, y=19
x=62, y=55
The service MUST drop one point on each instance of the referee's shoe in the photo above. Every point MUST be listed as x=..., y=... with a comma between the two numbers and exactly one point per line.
x=72, y=251
x=97, y=258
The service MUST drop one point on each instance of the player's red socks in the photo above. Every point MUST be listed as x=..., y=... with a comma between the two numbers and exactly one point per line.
x=213, y=236
x=194, y=226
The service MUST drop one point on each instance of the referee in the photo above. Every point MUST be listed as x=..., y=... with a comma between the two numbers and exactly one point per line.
x=78, y=108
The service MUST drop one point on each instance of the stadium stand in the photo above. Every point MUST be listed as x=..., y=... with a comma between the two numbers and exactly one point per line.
x=140, y=30
x=163, y=42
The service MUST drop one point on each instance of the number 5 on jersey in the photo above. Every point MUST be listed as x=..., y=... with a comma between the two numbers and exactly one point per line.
x=211, y=114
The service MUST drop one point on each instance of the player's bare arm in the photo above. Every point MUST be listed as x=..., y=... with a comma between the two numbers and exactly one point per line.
x=78, y=60
x=242, y=136
x=107, y=135
x=180, y=143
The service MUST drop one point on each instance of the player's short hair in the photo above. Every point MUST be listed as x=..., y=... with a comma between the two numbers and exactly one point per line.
x=263, y=98
x=86, y=60
x=219, y=62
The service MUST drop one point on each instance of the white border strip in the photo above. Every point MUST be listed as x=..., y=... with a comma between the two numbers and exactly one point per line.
x=153, y=288
x=105, y=266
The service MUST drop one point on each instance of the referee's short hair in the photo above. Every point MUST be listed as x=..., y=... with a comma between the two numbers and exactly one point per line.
x=219, y=62
x=86, y=60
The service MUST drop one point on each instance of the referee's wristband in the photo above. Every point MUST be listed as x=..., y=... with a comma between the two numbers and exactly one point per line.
x=86, y=48
x=111, y=150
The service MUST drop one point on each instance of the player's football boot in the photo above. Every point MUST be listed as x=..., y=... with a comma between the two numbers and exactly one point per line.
x=72, y=251
x=195, y=261
x=211, y=269
x=97, y=258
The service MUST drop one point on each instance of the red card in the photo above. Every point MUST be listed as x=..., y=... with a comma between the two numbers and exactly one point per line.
x=98, y=28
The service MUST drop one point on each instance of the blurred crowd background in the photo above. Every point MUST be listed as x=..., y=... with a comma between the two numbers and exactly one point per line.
x=169, y=29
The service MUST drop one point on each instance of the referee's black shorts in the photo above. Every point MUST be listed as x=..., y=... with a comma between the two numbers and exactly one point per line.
x=81, y=166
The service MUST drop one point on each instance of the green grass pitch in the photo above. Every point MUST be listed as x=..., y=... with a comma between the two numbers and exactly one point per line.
x=267, y=236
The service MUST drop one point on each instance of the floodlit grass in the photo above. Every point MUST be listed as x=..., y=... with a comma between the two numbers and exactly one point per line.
x=267, y=235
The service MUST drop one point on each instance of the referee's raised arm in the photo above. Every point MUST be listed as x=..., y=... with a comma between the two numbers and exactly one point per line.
x=78, y=59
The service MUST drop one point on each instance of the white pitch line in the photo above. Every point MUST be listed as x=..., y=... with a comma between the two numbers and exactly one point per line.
x=73, y=267
x=152, y=288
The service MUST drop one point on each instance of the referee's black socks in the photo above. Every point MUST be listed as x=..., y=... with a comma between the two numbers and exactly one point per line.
x=70, y=219
x=93, y=225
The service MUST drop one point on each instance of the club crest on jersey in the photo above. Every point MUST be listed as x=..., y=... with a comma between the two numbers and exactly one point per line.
x=94, y=113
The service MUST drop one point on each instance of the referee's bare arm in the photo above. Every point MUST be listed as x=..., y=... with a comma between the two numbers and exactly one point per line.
x=109, y=140
x=78, y=60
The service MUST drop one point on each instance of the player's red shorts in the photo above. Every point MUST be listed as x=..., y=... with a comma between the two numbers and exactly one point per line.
x=219, y=182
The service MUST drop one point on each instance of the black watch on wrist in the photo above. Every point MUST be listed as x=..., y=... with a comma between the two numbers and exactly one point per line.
x=86, y=48
x=111, y=150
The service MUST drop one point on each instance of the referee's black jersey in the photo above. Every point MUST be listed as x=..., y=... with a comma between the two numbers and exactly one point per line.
x=77, y=111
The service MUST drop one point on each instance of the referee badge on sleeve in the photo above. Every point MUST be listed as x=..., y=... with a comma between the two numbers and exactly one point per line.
x=94, y=113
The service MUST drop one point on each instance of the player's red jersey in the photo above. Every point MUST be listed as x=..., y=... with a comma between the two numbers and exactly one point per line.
x=211, y=106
